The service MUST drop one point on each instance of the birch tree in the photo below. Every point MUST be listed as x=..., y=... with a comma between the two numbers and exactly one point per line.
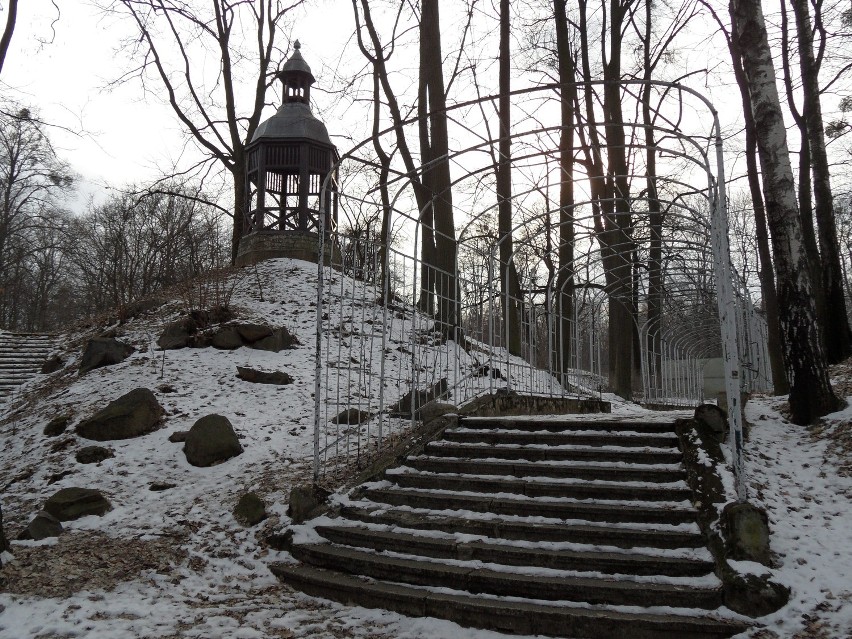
x=811, y=395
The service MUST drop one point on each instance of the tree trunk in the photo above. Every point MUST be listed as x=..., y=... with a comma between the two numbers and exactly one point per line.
x=838, y=339
x=766, y=275
x=565, y=279
x=811, y=395
x=510, y=289
x=239, y=174
x=442, y=197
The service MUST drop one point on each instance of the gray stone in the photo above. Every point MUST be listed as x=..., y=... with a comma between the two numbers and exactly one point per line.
x=435, y=409
x=746, y=529
x=73, y=503
x=754, y=596
x=93, y=454
x=253, y=332
x=713, y=418
x=419, y=398
x=227, y=338
x=304, y=500
x=281, y=339
x=131, y=415
x=4, y=545
x=250, y=510
x=159, y=486
x=57, y=425
x=103, y=351
x=175, y=335
x=262, y=377
x=179, y=436
x=52, y=364
x=211, y=440
x=43, y=526
x=352, y=416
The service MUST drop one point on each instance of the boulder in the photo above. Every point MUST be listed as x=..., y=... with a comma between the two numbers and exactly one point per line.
x=351, y=416
x=73, y=503
x=253, y=332
x=57, y=425
x=227, y=338
x=280, y=339
x=713, y=418
x=175, y=335
x=262, y=377
x=753, y=595
x=178, y=437
x=4, y=545
x=419, y=398
x=131, y=415
x=43, y=526
x=103, y=351
x=250, y=510
x=211, y=440
x=304, y=500
x=51, y=365
x=93, y=454
x=159, y=486
x=746, y=529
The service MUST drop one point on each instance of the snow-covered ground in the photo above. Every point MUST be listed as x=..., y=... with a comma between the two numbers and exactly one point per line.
x=175, y=563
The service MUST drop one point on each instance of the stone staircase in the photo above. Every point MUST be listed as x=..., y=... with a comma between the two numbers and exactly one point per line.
x=21, y=358
x=578, y=528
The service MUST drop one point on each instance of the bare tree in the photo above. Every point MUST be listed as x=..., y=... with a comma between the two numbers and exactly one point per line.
x=810, y=390
x=243, y=36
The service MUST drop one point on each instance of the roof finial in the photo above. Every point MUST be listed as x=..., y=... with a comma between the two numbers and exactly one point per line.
x=297, y=45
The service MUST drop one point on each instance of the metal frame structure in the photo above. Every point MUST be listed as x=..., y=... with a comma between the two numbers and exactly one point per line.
x=380, y=354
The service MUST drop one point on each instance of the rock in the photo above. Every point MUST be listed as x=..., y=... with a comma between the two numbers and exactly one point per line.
x=158, y=486
x=250, y=510
x=93, y=454
x=4, y=545
x=55, y=477
x=351, y=416
x=403, y=407
x=304, y=500
x=43, y=526
x=486, y=371
x=281, y=339
x=754, y=596
x=746, y=530
x=262, y=377
x=178, y=436
x=131, y=415
x=166, y=389
x=103, y=351
x=435, y=409
x=713, y=418
x=227, y=338
x=253, y=332
x=175, y=335
x=211, y=440
x=73, y=503
x=52, y=364
x=280, y=541
x=57, y=425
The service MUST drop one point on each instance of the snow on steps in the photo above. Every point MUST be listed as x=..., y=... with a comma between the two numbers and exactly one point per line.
x=21, y=358
x=572, y=529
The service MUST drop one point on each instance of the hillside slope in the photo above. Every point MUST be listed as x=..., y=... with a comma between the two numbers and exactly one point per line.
x=175, y=562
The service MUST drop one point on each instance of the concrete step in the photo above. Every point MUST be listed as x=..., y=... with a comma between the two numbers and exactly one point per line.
x=564, y=425
x=409, y=542
x=579, y=470
x=535, y=506
x=577, y=489
x=545, y=453
x=533, y=585
x=547, y=438
x=497, y=527
x=515, y=617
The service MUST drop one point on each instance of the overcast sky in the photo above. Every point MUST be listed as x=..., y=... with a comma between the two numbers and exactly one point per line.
x=61, y=67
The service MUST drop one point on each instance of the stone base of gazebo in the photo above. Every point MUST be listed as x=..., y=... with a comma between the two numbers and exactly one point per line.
x=264, y=245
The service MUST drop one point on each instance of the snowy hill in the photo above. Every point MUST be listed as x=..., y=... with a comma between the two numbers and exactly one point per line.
x=175, y=562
